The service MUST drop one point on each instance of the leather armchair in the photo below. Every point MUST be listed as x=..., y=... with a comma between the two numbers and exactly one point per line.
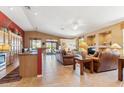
x=106, y=61
x=65, y=59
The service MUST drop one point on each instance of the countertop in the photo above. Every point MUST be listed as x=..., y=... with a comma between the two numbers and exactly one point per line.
x=28, y=53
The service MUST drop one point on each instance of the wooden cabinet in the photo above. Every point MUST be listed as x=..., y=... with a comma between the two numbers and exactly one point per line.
x=13, y=43
x=105, y=38
x=28, y=65
x=100, y=40
x=6, y=37
x=1, y=37
x=91, y=40
x=16, y=43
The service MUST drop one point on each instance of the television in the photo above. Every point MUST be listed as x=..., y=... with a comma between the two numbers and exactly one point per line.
x=91, y=50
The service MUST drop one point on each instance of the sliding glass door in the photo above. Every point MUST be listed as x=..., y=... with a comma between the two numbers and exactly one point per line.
x=51, y=47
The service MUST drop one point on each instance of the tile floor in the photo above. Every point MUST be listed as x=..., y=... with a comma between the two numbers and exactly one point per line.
x=10, y=68
x=57, y=75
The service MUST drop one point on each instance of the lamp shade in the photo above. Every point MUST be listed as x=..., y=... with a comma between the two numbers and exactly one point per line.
x=115, y=46
x=83, y=45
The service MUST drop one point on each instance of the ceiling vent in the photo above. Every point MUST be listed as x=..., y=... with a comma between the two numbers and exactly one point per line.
x=28, y=7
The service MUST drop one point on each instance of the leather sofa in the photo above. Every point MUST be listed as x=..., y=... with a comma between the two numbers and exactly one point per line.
x=64, y=58
x=106, y=61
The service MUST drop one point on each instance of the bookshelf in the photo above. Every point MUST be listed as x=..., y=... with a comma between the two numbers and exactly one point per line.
x=91, y=40
x=105, y=38
x=100, y=40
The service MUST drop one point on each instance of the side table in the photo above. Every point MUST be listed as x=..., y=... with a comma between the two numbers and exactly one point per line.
x=82, y=61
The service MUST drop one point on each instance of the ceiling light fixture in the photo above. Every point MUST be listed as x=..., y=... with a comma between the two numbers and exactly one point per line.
x=75, y=27
x=35, y=13
x=62, y=28
x=77, y=24
x=11, y=8
x=28, y=7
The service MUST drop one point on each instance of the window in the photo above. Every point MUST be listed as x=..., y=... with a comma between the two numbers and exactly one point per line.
x=35, y=43
x=51, y=46
x=68, y=44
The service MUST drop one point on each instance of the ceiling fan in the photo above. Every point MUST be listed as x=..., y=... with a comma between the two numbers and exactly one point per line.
x=73, y=25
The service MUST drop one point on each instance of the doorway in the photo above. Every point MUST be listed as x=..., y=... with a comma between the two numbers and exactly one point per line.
x=51, y=47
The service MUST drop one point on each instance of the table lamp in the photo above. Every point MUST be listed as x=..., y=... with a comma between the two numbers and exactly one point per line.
x=83, y=48
x=83, y=45
x=115, y=48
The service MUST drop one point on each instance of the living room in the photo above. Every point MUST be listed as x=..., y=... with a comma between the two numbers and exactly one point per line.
x=61, y=46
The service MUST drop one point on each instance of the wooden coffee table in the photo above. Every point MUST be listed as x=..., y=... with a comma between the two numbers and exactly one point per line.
x=82, y=61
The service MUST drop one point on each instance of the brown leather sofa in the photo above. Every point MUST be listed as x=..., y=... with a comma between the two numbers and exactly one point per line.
x=106, y=61
x=64, y=58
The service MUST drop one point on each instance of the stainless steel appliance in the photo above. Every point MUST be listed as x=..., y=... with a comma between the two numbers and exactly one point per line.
x=2, y=61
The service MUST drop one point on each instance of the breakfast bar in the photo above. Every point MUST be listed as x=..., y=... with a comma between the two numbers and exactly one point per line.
x=30, y=64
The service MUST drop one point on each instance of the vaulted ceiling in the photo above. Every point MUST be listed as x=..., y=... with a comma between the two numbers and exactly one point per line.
x=65, y=21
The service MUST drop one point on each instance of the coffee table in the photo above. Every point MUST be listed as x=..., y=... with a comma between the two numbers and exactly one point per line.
x=82, y=61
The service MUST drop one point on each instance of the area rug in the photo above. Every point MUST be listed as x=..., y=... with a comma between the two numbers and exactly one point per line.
x=11, y=77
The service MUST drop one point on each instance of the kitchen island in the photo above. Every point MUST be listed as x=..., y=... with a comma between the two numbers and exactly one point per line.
x=28, y=64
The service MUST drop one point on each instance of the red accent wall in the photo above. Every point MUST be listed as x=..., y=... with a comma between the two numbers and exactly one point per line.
x=8, y=23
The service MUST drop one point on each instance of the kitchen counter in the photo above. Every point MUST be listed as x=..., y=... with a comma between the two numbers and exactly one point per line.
x=28, y=53
x=28, y=64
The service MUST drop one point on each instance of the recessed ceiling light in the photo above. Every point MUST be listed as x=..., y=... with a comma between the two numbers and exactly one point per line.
x=75, y=27
x=11, y=8
x=35, y=13
x=62, y=27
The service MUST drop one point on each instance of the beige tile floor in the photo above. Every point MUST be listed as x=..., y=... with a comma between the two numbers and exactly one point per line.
x=57, y=75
